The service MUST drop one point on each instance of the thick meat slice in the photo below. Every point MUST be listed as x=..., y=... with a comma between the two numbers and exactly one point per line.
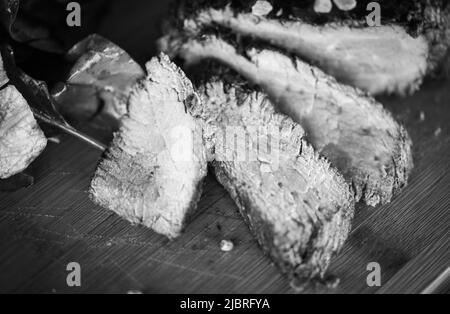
x=383, y=59
x=352, y=130
x=21, y=139
x=298, y=207
x=153, y=171
x=411, y=41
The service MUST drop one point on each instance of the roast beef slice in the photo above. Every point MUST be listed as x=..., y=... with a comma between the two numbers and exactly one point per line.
x=153, y=171
x=296, y=204
x=21, y=139
x=352, y=130
x=383, y=59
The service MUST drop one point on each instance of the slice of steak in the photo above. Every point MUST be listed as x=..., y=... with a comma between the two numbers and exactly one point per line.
x=391, y=58
x=297, y=205
x=353, y=131
x=21, y=139
x=377, y=59
x=152, y=173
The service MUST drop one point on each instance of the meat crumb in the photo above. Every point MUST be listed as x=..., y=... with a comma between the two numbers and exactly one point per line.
x=422, y=116
x=323, y=6
x=345, y=5
x=134, y=292
x=54, y=139
x=226, y=246
x=262, y=8
x=437, y=132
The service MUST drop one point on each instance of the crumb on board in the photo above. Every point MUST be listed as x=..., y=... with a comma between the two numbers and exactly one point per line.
x=437, y=132
x=54, y=139
x=262, y=8
x=323, y=6
x=226, y=246
x=422, y=116
x=134, y=292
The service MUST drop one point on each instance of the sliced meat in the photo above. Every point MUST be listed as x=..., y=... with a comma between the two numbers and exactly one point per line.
x=298, y=207
x=153, y=171
x=383, y=59
x=21, y=139
x=352, y=130
x=412, y=41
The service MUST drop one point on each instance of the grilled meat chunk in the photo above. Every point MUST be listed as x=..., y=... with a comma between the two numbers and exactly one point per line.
x=296, y=204
x=390, y=58
x=21, y=139
x=153, y=171
x=353, y=131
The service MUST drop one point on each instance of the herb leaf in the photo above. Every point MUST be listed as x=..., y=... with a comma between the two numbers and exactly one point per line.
x=40, y=101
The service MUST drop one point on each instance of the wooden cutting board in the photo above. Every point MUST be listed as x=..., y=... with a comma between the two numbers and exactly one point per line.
x=47, y=226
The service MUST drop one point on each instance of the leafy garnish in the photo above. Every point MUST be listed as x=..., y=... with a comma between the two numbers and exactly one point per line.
x=103, y=77
x=26, y=30
x=40, y=101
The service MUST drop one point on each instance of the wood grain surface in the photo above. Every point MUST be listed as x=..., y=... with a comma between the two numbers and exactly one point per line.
x=52, y=223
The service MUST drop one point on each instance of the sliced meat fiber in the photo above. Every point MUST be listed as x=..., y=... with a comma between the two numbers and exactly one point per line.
x=152, y=173
x=298, y=206
x=21, y=139
x=352, y=130
x=379, y=60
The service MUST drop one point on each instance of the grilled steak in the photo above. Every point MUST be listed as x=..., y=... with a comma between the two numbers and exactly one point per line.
x=389, y=58
x=153, y=171
x=296, y=204
x=21, y=139
x=352, y=130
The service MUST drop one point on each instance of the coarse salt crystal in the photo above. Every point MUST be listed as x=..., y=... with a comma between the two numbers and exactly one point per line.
x=226, y=246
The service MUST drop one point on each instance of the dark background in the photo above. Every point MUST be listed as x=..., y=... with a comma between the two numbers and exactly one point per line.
x=133, y=25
